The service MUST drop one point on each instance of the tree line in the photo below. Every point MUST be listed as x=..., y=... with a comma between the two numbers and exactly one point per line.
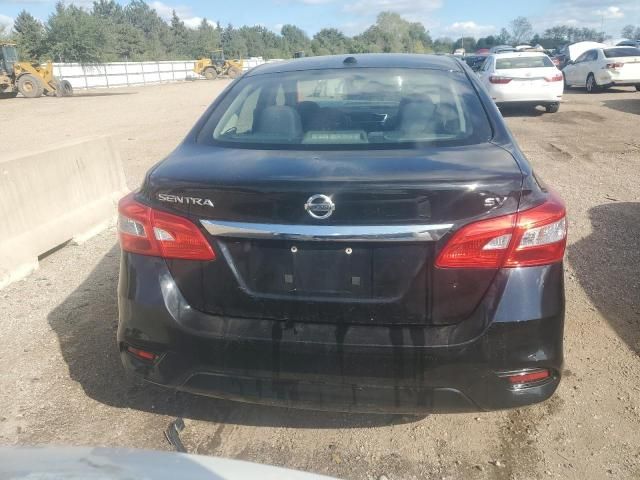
x=109, y=31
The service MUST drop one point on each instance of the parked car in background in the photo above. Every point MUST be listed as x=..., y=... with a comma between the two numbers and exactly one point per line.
x=571, y=52
x=629, y=43
x=560, y=60
x=524, y=78
x=601, y=68
x=502, y=48
x=475, y=61
x=352, y=232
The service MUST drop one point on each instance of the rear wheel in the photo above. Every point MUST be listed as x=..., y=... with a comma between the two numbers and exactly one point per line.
x=638, y=87
x=592, y=85
x=552, y=108
x=234, y=72
x=30, y=86
x=210, y=73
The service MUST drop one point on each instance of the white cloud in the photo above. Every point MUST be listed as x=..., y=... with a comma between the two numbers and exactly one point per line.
x=192, y=22
x=166, y=11
x=278, y=27
x=86, y=4
x=6, y=22
x=410, y=8
x=469, y=28
x=366, y=11
x=597, y=14
x=354, y=28
x=611, y=12
x=183, y=11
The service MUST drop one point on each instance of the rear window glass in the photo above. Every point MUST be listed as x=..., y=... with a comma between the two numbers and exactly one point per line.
x=622, y=52
x=523, y=62
x=362, y=108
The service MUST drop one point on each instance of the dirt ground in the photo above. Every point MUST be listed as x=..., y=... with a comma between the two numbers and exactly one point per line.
x=61, y=381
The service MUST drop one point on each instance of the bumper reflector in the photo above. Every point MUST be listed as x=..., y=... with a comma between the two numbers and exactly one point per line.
x=142, y=354
x=530, y=376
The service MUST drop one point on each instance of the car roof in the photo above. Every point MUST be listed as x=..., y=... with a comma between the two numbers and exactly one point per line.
x=519, y=54
x=365, y=60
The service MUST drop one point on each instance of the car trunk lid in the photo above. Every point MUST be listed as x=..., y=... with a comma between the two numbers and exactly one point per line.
x=370, y=261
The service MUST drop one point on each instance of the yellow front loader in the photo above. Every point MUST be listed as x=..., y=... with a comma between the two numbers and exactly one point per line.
x=217, y=65
x=30, y=79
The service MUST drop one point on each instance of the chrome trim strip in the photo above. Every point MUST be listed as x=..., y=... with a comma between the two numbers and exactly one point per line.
x=327, y=233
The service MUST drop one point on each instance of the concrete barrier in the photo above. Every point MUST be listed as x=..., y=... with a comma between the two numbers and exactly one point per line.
x=124, y=74
x=55, y=196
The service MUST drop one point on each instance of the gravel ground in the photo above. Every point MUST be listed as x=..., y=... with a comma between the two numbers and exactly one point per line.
x=61, y=381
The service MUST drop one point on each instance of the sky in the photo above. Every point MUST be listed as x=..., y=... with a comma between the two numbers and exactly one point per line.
x=441, y=17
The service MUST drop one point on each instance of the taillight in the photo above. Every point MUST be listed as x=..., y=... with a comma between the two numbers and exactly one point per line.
x=499, y=80
x=533, y=237
x=146, y=231
x=556, y=78
x=614, y=66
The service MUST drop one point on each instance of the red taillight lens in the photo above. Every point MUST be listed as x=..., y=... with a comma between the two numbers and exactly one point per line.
x=541, y=235
x=146, y=231
x=614, y=66
x=479, y=245
x=556, y=78
x=499, y=80
x=537, y=236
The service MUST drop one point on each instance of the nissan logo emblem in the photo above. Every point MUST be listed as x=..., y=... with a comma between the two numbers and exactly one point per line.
x=320, y=206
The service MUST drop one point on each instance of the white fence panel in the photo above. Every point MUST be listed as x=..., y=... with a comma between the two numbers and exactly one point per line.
x=122, y=74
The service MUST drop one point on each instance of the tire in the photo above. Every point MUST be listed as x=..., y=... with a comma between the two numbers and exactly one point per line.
x=552, y=108
x=234, y=72
x=638, y=88
x=8, y=95
x=210, y=73
x=591, y=84
x=66, y=88
x=30, y=86
x=566, y=85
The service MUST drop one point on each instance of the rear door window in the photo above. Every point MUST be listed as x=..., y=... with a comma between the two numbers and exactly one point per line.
x=591, y=56
x=582, y=58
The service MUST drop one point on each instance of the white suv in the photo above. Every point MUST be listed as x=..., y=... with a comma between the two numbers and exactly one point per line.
x=527, y=78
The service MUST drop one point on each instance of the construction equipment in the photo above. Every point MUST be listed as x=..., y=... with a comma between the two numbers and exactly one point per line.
x=30, y=79
x=217, y=65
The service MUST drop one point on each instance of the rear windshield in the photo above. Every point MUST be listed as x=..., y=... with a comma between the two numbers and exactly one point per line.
x=541, y=61
x=363, y=108
x=622, y=52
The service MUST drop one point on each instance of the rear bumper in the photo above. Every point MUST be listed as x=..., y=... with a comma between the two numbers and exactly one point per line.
x=346, y=368
x=550, y=93
x=617, y=79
